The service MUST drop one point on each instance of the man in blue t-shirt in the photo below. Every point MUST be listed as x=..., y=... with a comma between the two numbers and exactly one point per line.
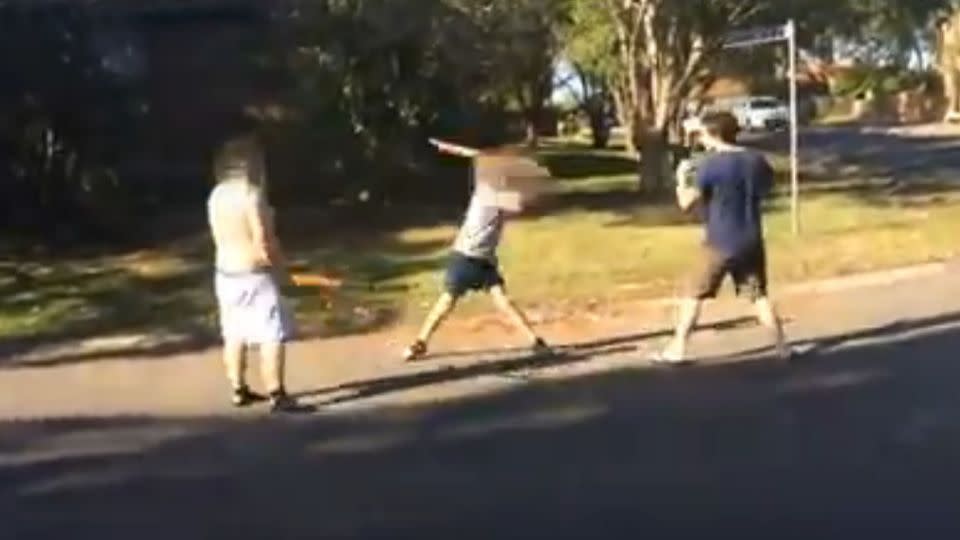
x=729, y=185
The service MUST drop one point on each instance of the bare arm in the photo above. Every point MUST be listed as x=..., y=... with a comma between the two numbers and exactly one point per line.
x=260, y=220
x=455, y=149
x=687, y=197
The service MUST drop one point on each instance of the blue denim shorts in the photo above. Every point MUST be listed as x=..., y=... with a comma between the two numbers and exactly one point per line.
x=465, y=274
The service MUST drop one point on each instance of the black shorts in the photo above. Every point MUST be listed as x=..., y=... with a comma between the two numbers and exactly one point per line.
x=747, y=268
x=465, y=274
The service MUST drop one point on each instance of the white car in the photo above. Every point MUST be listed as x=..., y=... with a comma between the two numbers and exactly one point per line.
x=762, y=113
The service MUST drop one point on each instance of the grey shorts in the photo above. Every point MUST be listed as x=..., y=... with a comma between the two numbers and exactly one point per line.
x=252, y=309
x=747, y=269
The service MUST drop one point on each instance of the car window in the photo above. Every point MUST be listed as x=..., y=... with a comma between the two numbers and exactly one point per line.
x=765, y=104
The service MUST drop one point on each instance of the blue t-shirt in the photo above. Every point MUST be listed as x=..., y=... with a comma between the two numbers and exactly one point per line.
x=733, y=184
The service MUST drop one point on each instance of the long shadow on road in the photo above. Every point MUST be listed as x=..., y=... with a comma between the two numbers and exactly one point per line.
x=861, y=442
x=517, y=365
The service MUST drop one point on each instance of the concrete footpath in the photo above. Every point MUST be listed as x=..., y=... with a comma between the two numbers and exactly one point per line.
x=470, y=357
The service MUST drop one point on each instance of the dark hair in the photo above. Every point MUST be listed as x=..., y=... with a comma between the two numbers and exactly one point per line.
x=722, y=125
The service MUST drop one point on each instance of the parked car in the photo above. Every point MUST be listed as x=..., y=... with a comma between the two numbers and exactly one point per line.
x=762, y=113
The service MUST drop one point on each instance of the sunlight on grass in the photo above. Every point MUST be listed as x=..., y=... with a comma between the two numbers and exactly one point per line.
x=600, y=255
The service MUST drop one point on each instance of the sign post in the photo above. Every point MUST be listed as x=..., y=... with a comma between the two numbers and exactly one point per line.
x=779, y=34
x=794, y=130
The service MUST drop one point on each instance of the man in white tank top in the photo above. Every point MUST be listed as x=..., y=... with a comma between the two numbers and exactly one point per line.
x=248, y=259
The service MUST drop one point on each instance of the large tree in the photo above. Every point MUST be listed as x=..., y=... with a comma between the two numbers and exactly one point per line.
x=659, y=51
x=588, y=48
x=530, y=36
x=888, y=32
x=518, y=43
x=948, y=60
x=590, y=93
x=368, y=82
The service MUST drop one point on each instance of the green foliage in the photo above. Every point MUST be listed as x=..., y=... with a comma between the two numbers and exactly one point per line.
x=347, y=91
x=60, y=141
x=862, y=79
x=590, y=40
x=850, y=82
x=407, y=72
x=881, y=31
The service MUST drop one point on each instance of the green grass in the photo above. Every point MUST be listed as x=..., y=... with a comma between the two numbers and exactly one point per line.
x=86, y=296
x=598, y=254
x=599, y=242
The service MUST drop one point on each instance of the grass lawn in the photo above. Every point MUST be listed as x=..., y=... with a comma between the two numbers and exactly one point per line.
x=595, y=242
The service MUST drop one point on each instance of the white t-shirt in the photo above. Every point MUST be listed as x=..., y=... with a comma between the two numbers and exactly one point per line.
x=482, y=227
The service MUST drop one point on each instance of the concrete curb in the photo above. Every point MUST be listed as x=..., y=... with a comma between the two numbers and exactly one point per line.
x=849, y=282
x=868, y=279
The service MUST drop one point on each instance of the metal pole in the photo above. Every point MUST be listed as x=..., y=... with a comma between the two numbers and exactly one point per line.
x=794, y=129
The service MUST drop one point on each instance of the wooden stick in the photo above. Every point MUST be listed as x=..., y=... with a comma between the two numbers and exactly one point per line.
x=328, y=283
x=455, y=149
x=315, y=280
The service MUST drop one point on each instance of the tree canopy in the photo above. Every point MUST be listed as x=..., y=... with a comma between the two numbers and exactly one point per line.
x=346, y=92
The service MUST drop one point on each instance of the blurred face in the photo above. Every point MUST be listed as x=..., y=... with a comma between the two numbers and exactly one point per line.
x=709, y=141
x=511, y=202
x=241, y=159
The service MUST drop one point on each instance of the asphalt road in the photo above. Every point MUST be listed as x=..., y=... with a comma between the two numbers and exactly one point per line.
x=869, y=152
x=856, y=441
x=859, y=439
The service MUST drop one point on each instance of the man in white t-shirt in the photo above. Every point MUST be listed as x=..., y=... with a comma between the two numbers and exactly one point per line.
x=248, y=260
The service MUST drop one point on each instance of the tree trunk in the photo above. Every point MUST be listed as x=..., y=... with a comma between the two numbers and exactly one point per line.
x=654, y=161
x=599, y=126
x=948, y=57
x=626, y=115
x=951, y=90
x=599, y=131
x=626, y=92
x=533, y=115
x=630, y=139
x=532, y=133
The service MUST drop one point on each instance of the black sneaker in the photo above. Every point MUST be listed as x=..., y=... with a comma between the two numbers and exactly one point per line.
x=540, y=348
x=281, y=402
x=416, y=351
x=244, y=397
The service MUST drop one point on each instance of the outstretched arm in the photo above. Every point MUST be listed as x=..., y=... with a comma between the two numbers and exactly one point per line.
x=455, y=149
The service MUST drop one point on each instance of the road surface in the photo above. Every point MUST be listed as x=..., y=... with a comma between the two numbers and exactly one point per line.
x=860, y=438
x=872, y=153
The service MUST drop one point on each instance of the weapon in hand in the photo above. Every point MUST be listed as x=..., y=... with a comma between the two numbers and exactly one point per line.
x=328, y=283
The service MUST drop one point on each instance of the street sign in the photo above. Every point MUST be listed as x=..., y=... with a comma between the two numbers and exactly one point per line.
x=751, y=37
x=758, y=36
